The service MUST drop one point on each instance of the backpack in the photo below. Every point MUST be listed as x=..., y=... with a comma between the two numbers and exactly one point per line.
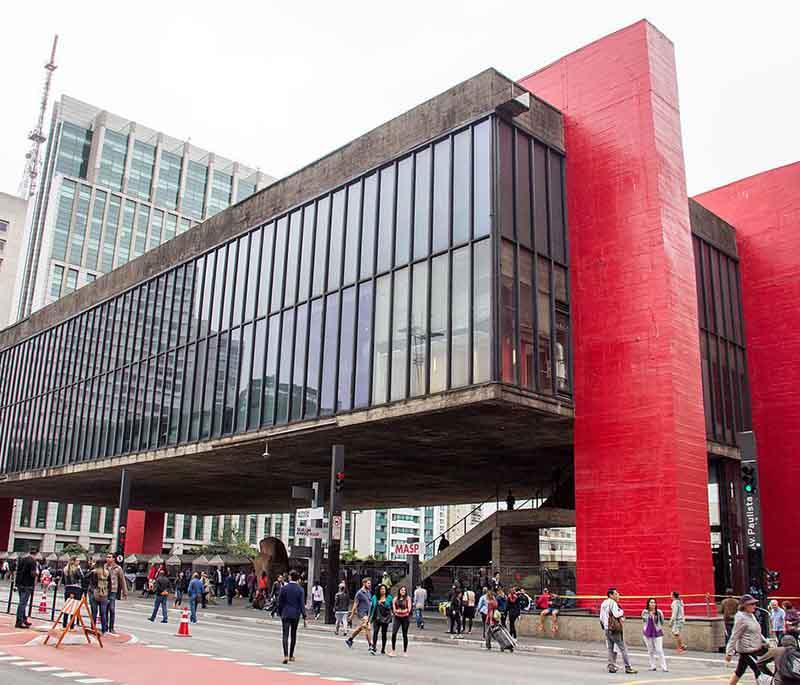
x=789, y=666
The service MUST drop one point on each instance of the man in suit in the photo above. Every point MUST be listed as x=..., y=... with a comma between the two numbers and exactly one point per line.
x=291, y=606
x=25, y=581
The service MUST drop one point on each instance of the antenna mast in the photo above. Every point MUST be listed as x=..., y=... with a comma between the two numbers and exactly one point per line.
x=36, y=136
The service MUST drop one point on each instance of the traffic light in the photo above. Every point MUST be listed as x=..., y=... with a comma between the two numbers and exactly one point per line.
x=339, y=486
x=773, y=581
x=749, y=479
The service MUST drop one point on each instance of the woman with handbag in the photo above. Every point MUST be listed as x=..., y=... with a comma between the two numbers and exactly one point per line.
x=380, y=616
x=98, y=589
x=653, y=634
x=746, y=640
x=73, y=580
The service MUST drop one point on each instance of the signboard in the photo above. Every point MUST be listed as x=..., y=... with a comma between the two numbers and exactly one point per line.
x=336, y=527
x=300, y=552
x=309, y=532
x=406, y=548
x=310, y=514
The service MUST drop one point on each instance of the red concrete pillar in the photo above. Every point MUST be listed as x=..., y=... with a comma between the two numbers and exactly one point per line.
x=6, y=512
x=765, y=211
x=641, y=468
x=145, y=532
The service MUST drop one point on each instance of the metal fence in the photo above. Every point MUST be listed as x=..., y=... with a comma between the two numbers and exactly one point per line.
x=533, y=579
x=43, y=605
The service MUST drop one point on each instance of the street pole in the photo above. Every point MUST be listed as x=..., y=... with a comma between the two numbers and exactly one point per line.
x=335, y=527
x=315, y=562
x=122, y=523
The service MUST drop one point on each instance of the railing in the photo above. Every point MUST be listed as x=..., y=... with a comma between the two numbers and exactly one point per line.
x=50, y=611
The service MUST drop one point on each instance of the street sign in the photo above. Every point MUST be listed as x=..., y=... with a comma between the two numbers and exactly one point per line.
x=310, y=514
x=300, y=552
x=406, y=548
x=336, y=527
x=311, y=533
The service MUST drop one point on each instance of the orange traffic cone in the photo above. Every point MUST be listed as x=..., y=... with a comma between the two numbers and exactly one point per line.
x=43, y=603
x=183, y=628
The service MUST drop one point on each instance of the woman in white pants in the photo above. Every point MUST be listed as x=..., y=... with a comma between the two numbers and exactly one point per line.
x=653, y=634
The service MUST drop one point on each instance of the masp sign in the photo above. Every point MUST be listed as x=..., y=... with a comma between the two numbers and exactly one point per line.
x=406, y=548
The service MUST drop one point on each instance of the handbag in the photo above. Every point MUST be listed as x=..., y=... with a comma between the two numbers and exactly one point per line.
x=614, y=623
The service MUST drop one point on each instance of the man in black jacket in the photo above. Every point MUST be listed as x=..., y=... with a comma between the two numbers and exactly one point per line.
x=291, y=606
x=25, y=582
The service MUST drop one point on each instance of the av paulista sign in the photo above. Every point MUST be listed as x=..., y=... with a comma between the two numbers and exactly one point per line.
x=311, y=533
x=406, y=548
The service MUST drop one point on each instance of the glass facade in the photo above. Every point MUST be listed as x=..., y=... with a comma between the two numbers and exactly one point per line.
x=74, y=147
x=112, y=160
x=378, y=291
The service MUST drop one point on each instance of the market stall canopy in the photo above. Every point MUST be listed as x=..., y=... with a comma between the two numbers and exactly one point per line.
x=156, y=560
x=174, y=560
x=51, y=557
x=217, y=561
x=132, y=559
x=200, y=561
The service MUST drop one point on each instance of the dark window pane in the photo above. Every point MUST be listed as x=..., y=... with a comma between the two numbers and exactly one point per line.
x=523, y=190
x=462, y=143
x=252, y=275
x=422, y=203
x=506, y=190
x=380, y=356
x=331, y=355
x=265, y=271
x=346, y=343
x=508, y=332
x=460, y=356
x=562, y=352
x=439, y=311
x=166, y=403
x=321, y=245
x=257, y=375
x=351, y=233
x=219, y=386
x=402, y=233
x=304, y=286
x=543, y=312
x=186, y=393
x=527, y=377
x=337, y=235
x=560, y=283
x=199, y=390
x=738, y=334
x=285, y=368
x=210, y=381
x=314, y=359
x=197, y=303
x=363, y=344
x=368, y=225
x=242, y=286
x=219, y=287
x=232, y=379
x=441, y=195
x=707, y=288
x=292, y=259
x=229, y=295
x=271, y=372
x=481, y=325
x=719, y=309
x=557, y=209
x=482, y=164
x=279, y=264
x=725, y=297
x=385, y=219
x=540, y=198
x=419, y=328
x=399, y=389
x=301, y=340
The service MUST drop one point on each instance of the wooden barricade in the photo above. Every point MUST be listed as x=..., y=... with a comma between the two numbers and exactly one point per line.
x=72, y=609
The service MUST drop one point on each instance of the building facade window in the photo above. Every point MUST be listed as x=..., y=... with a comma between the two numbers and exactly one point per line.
x=194, y=194
x=73, y=150
x=140, y=176
x=25, y=513
x=169, y=527
x=75, y=518
x=112, y=160
x=61, y=516
x=221, y=191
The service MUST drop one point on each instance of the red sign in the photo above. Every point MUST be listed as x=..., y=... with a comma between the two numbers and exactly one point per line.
x=406, y=548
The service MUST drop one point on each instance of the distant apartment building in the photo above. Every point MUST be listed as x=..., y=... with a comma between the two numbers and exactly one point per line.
x=110, y=190
x=12, y=232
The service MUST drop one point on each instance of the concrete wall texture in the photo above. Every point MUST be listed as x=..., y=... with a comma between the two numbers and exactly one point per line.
x=765, y=211
x=638, y=395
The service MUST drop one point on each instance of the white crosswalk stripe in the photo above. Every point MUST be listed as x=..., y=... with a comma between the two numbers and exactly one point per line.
x=12, y=658
x=337, y=679
x=247, y=663
x=47, y=669
x=69, y=674
x=23, y=664
x=93, y=681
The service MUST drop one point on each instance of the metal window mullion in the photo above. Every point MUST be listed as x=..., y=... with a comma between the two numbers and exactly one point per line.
x=77, y=410
x=494, y=232
x=166, y=331
x=267, y=317
x=141, y=361
x=34, y=415
x=552, y=303
x=471, y=265
x=89, y=349
x=94, y=395
x=178, y=347
x=248, y=394
x=569, y=351
x=517, y=342
x=28, y=391
x=278, y=352
x=429, y=260
x=112, y=375
x=208, y=337
x=411, y=215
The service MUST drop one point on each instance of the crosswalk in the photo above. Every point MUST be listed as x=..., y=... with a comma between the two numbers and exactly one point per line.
x=56, y=671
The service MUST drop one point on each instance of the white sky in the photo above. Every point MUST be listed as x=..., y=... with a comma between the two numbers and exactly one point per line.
x=277, y=85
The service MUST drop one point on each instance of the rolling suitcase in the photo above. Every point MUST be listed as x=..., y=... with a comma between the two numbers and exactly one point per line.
x=503, y=638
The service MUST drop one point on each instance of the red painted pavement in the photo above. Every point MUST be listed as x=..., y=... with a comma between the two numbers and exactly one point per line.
x=640, y=443
x=765, y=211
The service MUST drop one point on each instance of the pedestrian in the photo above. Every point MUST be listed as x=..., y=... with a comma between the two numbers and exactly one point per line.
x=777, y=617
x=117, y=589
x=483, y=608
x=494, y=583
x=468, y=601
x=611, y=618
x=99, y=587
x=676, y=621
x=230, y=588
x=444, y=543
x=746, y=640
x=380, y=616
x=181, y=585
x=241, y=580
x=420, y=599
x=206, y=589
x=25, y=581
x=786, y=649
x=362, y=605
x=513, y=603
x=162, y=593
x=653, y=634
x=729, y=606
x=502, y=604
x=401, y=608
x=276, y=590
x=492, y=616
x=792, y=619
x=510, y=501
x=72, y=577
x=317, y=598
x=341, y=605
x=217, y=579
x=251, y=586
x=196, y=590
x=455, y=611
x=291, y=606
x=546, y=605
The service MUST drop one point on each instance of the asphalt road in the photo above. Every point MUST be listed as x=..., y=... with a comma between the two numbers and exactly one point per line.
x=234, y=650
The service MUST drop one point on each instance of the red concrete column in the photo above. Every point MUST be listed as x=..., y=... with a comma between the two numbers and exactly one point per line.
x=641, y=468
x=765, y=211
x=6, y=511
x=145, y=532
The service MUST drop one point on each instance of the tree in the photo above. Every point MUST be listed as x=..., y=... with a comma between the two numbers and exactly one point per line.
x=349, y=556
x=233, y=544
x=76, y=549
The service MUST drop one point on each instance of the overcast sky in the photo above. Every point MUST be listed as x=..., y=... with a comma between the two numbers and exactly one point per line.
x=277, y=85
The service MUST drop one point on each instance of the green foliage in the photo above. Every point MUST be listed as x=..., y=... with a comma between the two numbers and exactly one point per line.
x=349, y=556
x=233, y=543
x=76, y=549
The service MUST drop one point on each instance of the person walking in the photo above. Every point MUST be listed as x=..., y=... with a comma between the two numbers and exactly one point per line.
x=25, y=582
x=181, y=586
x=611, y=618
x=746, y=640
x=420, y=599
x=502, y=605
x=469, y=601
x=653, y=634
x=777, y=619
x=317, y=598
x=513, y=603
x=401, y=608
x=276, y=591
x=380, y=616
x=454, y=612
x=729, y=606
x=162, y=594
x=291, y=606
x=4, y=569
x=362, y=606
x=483, y=608
x=676, y=621
x=117, y=589
x=492, y=616
x=251, y=586
x=72, y=577
x=230, y=589
x=99, y=580
x=341, y=605
x=206, y=590
x=195, y=591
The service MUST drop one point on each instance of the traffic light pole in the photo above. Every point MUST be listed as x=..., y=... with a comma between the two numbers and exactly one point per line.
x=122, y=520
x=752, y=512
x=335, y=528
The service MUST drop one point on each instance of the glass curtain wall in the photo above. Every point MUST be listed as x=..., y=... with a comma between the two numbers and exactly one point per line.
x=378, y=291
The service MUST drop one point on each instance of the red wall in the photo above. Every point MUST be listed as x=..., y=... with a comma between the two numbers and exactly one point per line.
x=640, y=453
x=145, y=532
x=6, y=510
x=765, y=211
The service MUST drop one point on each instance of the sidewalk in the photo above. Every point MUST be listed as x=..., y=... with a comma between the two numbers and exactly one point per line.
x=436, y=633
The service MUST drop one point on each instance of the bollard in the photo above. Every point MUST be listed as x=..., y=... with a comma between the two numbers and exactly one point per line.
x=53, y=609
x=10, y=596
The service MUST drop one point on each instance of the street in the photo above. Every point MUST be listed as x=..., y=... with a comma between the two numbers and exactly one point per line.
x=226, y=649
